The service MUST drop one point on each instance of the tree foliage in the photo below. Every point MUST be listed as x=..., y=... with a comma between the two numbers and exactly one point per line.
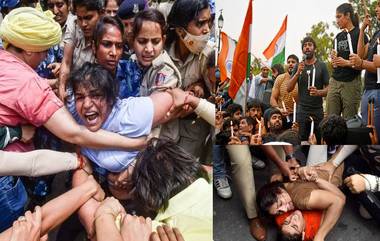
x=324, y=39
x=359, y=9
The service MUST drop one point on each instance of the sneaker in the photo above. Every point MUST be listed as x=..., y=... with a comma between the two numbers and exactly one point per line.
x=222, y=187
x=257, y=163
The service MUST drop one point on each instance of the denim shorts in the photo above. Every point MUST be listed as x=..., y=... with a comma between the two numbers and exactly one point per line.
x=13, y=198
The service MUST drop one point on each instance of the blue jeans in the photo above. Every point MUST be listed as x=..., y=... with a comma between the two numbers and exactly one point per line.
x=219, y=164
x=13, y=198
x=369, y=94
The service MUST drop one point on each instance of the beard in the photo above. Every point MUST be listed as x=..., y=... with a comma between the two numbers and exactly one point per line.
x=276, y=127
x=309, y=55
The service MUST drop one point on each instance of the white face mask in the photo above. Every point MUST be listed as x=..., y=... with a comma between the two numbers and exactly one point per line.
x=196, y=43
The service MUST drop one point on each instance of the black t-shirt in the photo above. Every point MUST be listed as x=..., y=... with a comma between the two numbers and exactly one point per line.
x=306, y=101
x=371, y=154
x=370, y=78
x=347, y=74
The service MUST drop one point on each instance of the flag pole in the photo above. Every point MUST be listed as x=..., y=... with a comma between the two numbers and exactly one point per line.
x=248, y=72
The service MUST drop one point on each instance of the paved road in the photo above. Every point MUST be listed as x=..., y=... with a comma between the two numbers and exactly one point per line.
x=231, y=224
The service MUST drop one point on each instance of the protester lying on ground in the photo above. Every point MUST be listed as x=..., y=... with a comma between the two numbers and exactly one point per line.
x=299, y=224
x=315, y=193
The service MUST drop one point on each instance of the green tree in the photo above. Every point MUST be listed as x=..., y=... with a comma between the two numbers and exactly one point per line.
x=359, y=9
x=323, y=39
x=255, y=65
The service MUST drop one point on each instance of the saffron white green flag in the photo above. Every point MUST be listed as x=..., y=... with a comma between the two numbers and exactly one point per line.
x=275, y=52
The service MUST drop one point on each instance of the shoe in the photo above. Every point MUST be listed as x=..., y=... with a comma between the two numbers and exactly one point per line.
x=257, y=229
x=257, y=163
x=222, y=187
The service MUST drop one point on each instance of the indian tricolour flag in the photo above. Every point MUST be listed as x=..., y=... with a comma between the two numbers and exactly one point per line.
x=275, y=52
x=226, y=56
x=242, y=62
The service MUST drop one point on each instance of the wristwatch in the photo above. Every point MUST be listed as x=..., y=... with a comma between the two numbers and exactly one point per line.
x=289, y=156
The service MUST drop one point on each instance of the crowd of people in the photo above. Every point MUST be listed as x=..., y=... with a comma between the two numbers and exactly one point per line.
x=322, y=108
x=117, y=96
x=305, y=102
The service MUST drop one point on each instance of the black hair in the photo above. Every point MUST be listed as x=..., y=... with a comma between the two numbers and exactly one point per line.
x=334, y=130
x=267, y=195
x=181, y=14
x=268, y=114
x=152, y=15
x=44, y=4
x=257, y=103
x=250, y=120
x=90, y=5
x=233, y=107
x=101, y=26
x=163, y=169
x=293, y=56
x=117, y=1
x=211, y=60
x=290, y=136
x=227, y=123
x=96, y=76
x=346, y=8
x=308, y=39
x=279, y=68
x=291, y=237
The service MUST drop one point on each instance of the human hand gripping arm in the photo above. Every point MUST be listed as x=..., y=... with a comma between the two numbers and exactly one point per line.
x=60, y=208
x=342, y=153
x=136, y=228
x=166, y=233
x=87, y=210
x=281, y=164
x=105, y=218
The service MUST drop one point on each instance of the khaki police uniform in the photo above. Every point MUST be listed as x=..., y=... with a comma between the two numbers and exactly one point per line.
x=162, y=73
x=193, y=132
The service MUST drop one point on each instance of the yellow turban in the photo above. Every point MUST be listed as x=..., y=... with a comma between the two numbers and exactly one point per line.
x=30, y=29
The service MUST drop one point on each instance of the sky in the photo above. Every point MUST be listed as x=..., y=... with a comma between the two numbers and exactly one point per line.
x=268, y=16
